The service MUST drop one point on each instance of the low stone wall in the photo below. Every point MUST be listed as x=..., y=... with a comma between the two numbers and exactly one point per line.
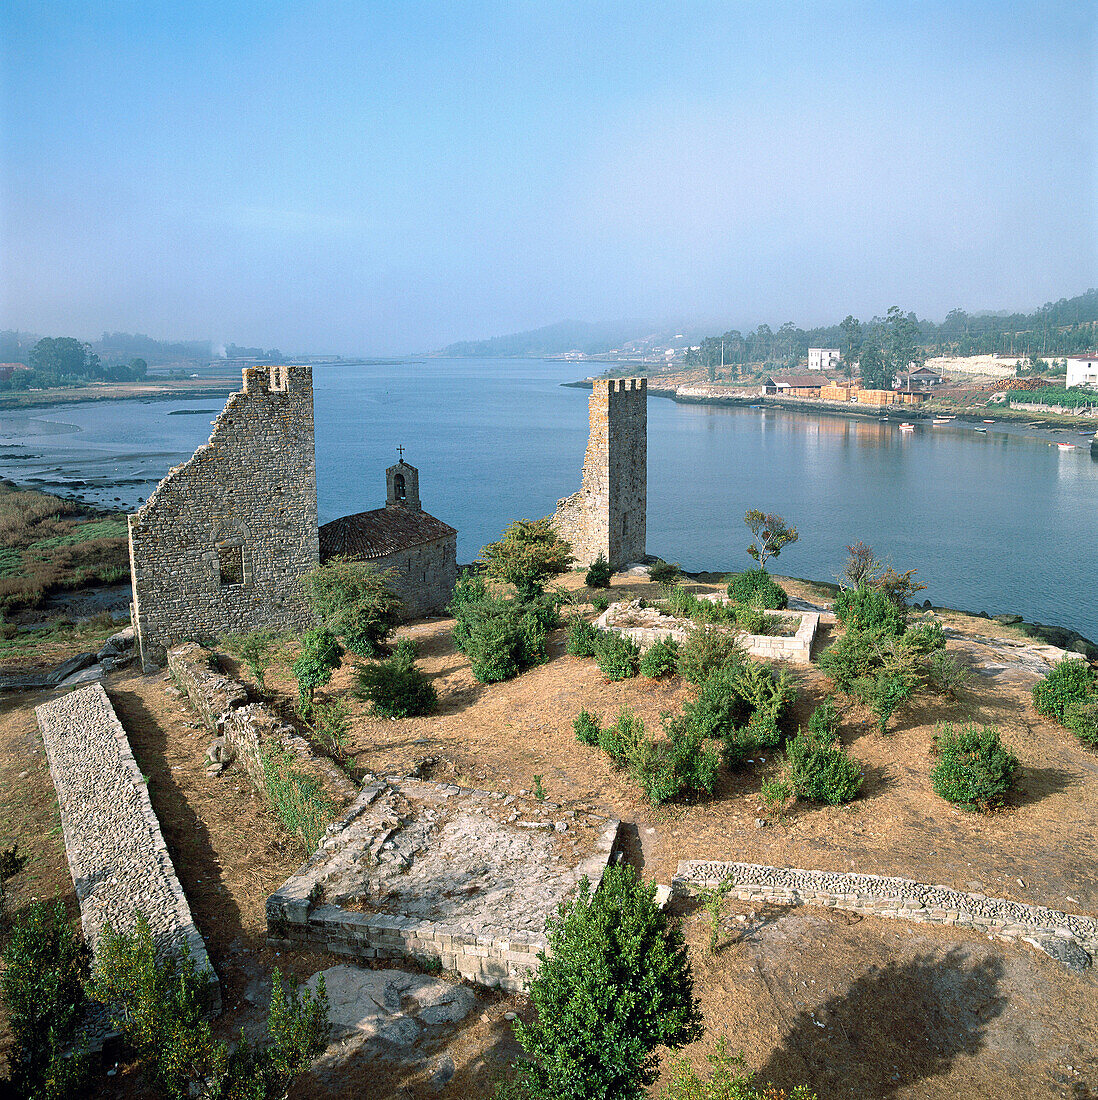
x=655, y=626
x=363, y=894
x=1061, y=935
x=222, y=704
x=1059, y=410
x=117, y=855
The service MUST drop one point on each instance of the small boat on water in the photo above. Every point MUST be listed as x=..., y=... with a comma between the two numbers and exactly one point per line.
x=989, y=421
x=1066, y=446
x=980, y=429
x=941, y=419
x=907, y=427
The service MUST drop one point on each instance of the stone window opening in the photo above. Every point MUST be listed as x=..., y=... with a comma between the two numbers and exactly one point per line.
x=398, y=487
x=231, y=565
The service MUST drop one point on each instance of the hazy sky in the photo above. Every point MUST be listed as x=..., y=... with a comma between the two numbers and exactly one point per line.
x=383, y=177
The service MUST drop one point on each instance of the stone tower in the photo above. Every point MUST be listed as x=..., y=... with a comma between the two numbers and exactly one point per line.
x=402, y=487
x=609, y=513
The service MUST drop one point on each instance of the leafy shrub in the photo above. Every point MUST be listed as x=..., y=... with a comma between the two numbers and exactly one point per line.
x=1081, y=717
x=529, y=552
x=719, y=707
x=660, y=659
x=756, y=588
x=501, y=637
x=11, y=863
x=1069, y=682
x=354, y=601
x=406, y=651
x=586, y=726
x=332, y=726
x=600, y=602
x=665, y=573
x=869, y=609
x=741, y=743
x=469, y=590
x=683, y=764
x=824, y=720
x=884, y=694
x=729, y=1079
x=819, y=768
x=707, y=648
x=974, y=769
x=925, y=638
x=256, y=649
x=946, y=674
x=598, y=576
x=298, y=800
x=614, y=985
x=582, y=637
x=618, y=656
x=396, y=688
x=854, y=655
x=42, y=988
x=155, y=1001
x=621, y=740
x=319, y=658
x=775, y=792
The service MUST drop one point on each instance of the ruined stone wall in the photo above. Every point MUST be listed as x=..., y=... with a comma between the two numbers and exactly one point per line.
x=425, y=576
x=609, y=513
x=219, y=545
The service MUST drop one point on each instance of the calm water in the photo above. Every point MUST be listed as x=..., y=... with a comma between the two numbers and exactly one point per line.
x=995, y=522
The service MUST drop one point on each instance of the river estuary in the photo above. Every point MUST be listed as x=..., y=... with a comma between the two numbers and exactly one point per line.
x=1005, y=520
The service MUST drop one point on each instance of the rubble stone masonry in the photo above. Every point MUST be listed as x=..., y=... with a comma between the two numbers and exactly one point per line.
x=608, y=515
x=219, y=545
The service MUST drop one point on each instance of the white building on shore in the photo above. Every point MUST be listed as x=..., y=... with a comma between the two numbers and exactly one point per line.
x=1082, y=371
x=823, y=358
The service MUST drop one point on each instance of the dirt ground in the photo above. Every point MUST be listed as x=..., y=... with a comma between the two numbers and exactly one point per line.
x=906, y=1011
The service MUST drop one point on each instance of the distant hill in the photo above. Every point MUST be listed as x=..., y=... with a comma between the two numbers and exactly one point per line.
x=564, y=336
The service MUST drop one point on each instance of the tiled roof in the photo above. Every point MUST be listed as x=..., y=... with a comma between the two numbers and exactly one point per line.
x=380, y=532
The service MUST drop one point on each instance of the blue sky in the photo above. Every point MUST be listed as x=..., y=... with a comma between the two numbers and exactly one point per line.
x=379, y=178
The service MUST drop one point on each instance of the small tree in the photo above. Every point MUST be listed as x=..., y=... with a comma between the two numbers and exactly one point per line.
x=862, y=566
x=529, y=552
x=320, y=657
x=771, y=534
x=615, y=984
x=598, y=576
x=354, y=601
x=256, y=648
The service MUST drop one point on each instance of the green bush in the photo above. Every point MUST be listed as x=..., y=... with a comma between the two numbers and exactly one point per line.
x=406, y=651
x=586, y=726
x=742, y=743
x=1069, y=682
x=756, y=588
x=529, y=552
x=621, y=741
x=1081, y=717
x=974, y=769
x=665, y=573
x=582, y=637
x=42, y=988
x=598, y=576
x=396, y=688
x=706, y=649
x=156, y=1002
x=884, y=694
x=600, y=602
x=683, y=764
x=256, y=648
x=660, y=659
x=824, y=720
x=869, y=609
x=501, y=637
x=331, y=724
x=618, y=657
x=925, y=638
x=856, y=654
x=320, y=656
x=718, y=708
x=946, y=674
x=819, y=768
x=614, y=984
x=354, y=601
x=469, y=590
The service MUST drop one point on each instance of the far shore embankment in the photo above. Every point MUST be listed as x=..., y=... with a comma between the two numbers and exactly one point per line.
x=928, y=411
x=174, y=389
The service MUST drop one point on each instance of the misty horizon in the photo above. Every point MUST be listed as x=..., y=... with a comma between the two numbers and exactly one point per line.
x=389, y=181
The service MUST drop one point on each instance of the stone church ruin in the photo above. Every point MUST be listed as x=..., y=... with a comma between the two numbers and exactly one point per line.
x=219, y=545
x=608, y=514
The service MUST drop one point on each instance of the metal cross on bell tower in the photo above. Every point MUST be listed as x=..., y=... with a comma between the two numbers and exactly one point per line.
x=400, y=452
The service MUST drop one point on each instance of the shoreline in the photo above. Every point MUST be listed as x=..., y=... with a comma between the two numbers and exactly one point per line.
x=175, y=390
x=909, y=413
